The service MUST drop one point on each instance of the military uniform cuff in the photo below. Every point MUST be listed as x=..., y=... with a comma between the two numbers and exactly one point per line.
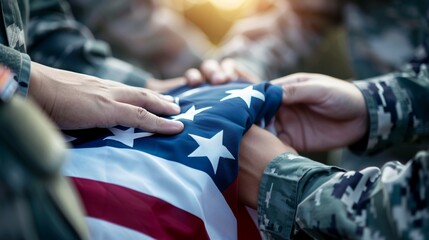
x=20, y=64
x=388, y=108
x=286, y=181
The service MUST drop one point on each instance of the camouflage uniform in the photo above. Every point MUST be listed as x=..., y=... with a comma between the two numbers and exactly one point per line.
x=146, y=33
x=388, y=43
x=383, y=35
x=45, y=30
x=299, y=195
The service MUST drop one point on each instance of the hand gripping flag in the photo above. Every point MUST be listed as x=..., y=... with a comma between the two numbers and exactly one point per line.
x=140, y=185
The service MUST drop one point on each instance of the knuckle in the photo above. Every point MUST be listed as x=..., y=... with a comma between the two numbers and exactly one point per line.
x=158, y=123
x=104, y=100
x=142, y=114
x=144, y=93
x=148, y=99
x=290, y=90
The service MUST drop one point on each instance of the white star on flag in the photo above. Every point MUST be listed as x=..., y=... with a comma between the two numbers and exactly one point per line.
x=212, y=148
x=126, y=137
x=190, y=114
x=246, y=94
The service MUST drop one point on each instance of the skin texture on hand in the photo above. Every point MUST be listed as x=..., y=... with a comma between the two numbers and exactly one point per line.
x=258, y=147
x=320, y=112
x=77, y=101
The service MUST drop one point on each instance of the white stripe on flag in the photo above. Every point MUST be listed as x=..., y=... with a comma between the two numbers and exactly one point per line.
x=103, y=230
x=184, y=187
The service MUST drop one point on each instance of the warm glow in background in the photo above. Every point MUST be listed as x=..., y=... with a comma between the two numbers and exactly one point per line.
x=215, y=17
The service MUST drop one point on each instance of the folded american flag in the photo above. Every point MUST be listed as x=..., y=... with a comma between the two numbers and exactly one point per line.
x=139, y=185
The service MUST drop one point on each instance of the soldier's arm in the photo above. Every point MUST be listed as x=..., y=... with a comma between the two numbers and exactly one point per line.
x=57, y=40
x=272, y=44
x=298, y=195
x=20, y=64
x=397, y=106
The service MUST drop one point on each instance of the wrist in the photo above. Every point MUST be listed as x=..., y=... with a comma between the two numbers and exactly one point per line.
x=36, y=79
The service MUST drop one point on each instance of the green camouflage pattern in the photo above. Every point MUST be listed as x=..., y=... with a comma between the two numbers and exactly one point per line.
x=397, y=108
x=46, y=31
x=382, y=35
x=391, y=203
x=146, y=33
x=13, y=44
x=299, y=195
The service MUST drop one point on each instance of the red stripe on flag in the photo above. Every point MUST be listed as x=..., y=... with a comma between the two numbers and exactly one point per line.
x=138, y=211
x=247, y=230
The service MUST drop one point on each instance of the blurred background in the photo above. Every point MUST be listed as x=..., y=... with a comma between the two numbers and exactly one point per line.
x=166, y=37
x=215, y=17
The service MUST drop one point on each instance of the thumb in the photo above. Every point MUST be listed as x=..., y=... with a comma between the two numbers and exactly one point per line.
x=308, y=92
x=193, y=77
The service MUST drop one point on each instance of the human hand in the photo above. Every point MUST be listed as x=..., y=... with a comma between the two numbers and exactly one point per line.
x=320, y=112
x=211, y=71
x=258, y=147
x=218, y=73
x=77, y=101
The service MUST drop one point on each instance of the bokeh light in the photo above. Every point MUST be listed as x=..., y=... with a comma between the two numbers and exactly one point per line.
x=214, y=17
x=228, y=4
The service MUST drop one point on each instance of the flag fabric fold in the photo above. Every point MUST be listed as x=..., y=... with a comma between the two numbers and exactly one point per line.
x=139, y=185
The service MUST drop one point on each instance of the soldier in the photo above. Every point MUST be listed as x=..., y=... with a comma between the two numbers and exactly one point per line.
x=298, y=195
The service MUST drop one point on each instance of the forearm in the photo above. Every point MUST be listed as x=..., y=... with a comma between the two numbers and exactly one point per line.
x=253, y=161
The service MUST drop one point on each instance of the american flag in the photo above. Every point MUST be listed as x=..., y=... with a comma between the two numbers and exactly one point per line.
x=139, y=185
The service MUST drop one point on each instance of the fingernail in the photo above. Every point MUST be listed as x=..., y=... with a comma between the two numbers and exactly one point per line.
x=195, y=74
x=231, y=76
x=174, y=126
x=168, y=98
x=194, y=79
x=218, y=77
x=175, y=107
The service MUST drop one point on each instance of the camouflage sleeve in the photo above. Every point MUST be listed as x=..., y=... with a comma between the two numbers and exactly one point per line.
x=397, y=108
x=299, y=195
x=146, y=33
x=272, y=44
x=19, y=63
x=56, y=39
x=13, y=45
